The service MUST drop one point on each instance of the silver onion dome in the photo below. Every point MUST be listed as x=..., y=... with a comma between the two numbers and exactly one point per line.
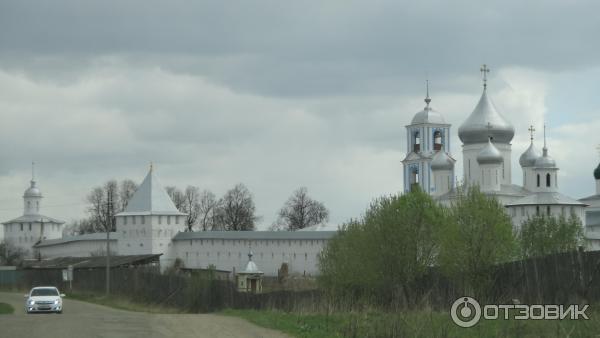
x=32, y=191
x=441, y=161
x=545, y=161
x=490, y=154
x=476, y=128
x=529, y=157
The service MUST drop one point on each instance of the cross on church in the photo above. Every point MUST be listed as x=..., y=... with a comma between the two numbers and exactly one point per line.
x=531, y=130
x=489, y=128
x=484, y=71
x=427, y=98
x=598, y=148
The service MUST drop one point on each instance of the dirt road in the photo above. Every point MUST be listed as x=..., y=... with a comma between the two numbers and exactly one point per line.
x=81, y=319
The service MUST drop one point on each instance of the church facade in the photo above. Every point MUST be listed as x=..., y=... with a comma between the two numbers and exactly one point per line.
x=486, y=137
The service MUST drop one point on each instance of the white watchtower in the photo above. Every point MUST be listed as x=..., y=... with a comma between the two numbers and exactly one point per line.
x=149, y=221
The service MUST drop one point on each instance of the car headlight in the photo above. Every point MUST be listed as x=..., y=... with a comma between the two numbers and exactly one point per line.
x=56, y=302
x=31, y=302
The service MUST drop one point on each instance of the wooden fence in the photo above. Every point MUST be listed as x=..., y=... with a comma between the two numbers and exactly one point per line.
x=567, y=278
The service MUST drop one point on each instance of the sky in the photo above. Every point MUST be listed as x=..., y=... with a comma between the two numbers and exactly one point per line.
x=280, y=94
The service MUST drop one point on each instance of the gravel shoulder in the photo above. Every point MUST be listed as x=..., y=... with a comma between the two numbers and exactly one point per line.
x=81, y=319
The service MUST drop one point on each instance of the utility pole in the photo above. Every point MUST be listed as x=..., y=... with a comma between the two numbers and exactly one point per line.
x=108, y=227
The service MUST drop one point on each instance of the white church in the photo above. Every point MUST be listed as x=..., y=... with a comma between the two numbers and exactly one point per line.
x=486, y=138
x=151, y=224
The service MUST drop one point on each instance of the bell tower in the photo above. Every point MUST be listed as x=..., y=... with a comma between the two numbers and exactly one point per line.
x=427, y=134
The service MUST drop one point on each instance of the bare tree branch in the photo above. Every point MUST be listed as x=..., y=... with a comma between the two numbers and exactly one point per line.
x=236, y=210
x=301, y=211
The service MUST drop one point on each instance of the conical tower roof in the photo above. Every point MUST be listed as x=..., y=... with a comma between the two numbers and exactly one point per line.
x=151, y=198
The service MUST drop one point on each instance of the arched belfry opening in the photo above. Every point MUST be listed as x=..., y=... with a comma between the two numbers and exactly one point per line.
x=538, y=180
x=414, y=178
x=437, y=140
x=548, y=179
x=416, y=142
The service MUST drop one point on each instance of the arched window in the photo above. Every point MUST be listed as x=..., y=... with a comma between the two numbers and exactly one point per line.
x=548, y=180
x=538, y=180
x=548, y=210
x=417, y=142
x=437, y=140
x=414, y=178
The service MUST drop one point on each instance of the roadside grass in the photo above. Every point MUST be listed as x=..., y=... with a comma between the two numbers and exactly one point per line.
x=6, y=309
x=121, y=303
x=423, y=324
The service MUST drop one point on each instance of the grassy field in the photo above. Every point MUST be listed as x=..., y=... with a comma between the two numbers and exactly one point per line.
x=121, y=303
x=413, y=324
x=418, y=324
x=6, y=309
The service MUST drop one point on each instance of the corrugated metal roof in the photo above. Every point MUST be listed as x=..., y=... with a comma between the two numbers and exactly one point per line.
x=89, y=262
x=98, y=236
x=254, y=235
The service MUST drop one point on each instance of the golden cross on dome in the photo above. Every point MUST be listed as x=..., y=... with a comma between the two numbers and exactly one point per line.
x=531, y=130
x=484, y=71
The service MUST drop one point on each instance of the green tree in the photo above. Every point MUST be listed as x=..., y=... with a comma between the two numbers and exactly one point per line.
x=544, y=235
x=388, y=250
x=11, y=254
x=478, y=235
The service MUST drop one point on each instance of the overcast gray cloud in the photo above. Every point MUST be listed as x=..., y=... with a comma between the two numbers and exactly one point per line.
x=279, y=94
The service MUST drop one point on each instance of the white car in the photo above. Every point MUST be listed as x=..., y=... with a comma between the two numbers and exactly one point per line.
x=44, y=299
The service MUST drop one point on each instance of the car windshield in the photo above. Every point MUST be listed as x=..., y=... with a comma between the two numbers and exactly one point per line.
x=44, y=292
